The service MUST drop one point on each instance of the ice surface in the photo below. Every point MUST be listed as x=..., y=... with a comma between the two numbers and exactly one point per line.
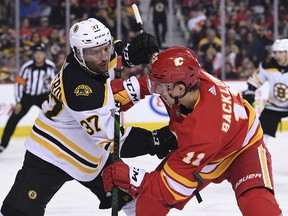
x=218, y=200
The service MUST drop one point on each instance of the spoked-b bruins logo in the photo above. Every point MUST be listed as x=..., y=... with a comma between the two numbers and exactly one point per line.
x=76, y=28
x=280, y=91
x=32, y=194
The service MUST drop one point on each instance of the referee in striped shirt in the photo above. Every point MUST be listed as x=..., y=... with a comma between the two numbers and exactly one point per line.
x=31, y=88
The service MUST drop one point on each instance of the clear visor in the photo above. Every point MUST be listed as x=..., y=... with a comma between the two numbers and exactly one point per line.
x=156, y=87
x=99, y=51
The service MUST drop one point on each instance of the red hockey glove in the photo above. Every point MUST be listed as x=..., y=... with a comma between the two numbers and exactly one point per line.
x=127, y=92
x=119, y=174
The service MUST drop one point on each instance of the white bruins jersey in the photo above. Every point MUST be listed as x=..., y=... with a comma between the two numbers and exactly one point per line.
x=75, y=128
x=277, y=76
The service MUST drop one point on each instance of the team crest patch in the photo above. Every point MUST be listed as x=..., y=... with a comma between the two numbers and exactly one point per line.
x=83, y=90
x=32, y=194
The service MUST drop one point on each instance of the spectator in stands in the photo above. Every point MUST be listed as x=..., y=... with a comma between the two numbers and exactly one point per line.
x=159, y=10
x=230, y=73
x=195, y=21
x=103, y=16
x=209, y=49
x=57, y=14
x=59, y=59
x=7, y=11
x=128, y=24
x=31, y=10
x=35, y=38
x=195, y=25
x=7, y=42
x=27, y=47
x=8, y=70
x=55, y=43
x=254, y=47
x=242, y=14
x=208, y=24
x=26, y=30
x=44, y=28
x=77, y=11
x=210, y=41
x=32, y=87
x=232, y=38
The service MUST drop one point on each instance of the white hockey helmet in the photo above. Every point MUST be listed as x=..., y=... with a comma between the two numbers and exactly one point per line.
x=280, y=45
x=86, y=34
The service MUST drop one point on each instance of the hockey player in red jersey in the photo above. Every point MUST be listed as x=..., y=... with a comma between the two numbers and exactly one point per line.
x=219, y=138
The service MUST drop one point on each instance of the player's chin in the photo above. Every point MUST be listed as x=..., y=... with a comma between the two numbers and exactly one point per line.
x=168, y=100
x=102, y=68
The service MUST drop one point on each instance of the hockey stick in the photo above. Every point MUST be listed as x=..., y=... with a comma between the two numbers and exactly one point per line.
x=116, y=152
x=139, y=21
x=138, y=18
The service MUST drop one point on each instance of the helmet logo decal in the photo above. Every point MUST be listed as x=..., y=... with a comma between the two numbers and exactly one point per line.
x=95, y=27
x=178, y=61
x=82, y=90
x=76, y=28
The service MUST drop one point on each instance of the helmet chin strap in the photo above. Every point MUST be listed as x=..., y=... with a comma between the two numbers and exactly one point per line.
x=286, y=62
x=91, y=71
x=82, y=62
x=176, y=98
x=84, y=65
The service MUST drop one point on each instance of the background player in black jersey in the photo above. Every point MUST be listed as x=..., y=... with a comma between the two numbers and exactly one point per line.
x=72, y=138
x=32, y=87
x=275, y=72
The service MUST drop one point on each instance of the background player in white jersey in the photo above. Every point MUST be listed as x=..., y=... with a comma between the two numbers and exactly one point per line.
x=72, y=138
x=275, y=72
x=219, y=138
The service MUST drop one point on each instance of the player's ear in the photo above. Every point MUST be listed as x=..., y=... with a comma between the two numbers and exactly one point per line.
x=181, y=88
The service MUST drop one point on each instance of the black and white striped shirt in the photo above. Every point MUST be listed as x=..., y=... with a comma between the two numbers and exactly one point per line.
x=33, y=80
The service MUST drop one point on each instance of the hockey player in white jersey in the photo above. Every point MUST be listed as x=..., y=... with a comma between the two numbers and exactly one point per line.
x=72, y=138
x=275, y=72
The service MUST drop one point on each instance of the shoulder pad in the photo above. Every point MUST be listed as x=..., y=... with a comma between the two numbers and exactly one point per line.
x=81, y=91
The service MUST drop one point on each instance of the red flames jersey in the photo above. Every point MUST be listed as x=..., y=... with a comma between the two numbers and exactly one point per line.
x=219, y=128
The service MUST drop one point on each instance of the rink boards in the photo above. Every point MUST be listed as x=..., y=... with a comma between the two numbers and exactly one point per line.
x=149, y=113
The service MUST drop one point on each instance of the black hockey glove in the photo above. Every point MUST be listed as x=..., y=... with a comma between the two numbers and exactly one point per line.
x=163, y=140
x=140, y=49
x=249, y=95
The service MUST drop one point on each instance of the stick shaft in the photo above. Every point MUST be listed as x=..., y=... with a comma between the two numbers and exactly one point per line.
x=116, y=152
x=138, y=17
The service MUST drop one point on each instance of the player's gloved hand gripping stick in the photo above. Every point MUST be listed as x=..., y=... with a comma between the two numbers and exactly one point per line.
x=138, y=18
x=141, y=48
